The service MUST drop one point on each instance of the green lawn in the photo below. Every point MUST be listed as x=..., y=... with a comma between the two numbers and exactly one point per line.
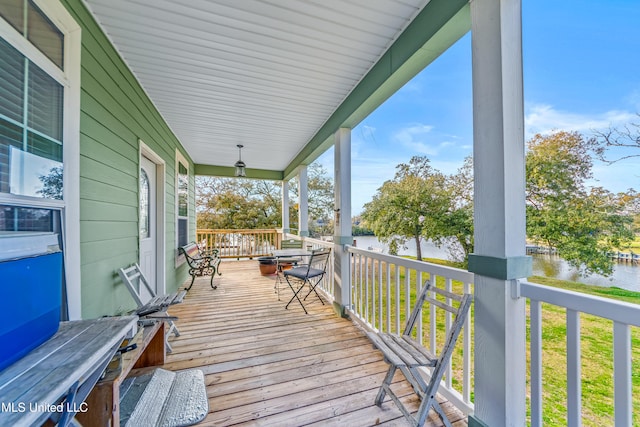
x=597, y=349
x=633, y=246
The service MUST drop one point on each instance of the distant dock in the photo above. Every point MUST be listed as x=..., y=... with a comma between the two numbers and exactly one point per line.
x=624, y=257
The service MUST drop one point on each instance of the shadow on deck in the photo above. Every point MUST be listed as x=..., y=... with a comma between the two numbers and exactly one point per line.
x=265, y=365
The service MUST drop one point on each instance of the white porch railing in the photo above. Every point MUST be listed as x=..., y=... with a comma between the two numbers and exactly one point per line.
x=622, y=314
x=383, y=291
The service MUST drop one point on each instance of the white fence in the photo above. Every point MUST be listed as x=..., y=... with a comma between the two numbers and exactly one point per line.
x=623, y=315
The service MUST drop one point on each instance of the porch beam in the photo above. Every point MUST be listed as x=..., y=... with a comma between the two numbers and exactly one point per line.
x=303, y=202
x=499, y=220
x=342, y=219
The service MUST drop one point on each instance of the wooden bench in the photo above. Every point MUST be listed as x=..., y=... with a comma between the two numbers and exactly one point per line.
x=135, y=392
x=201, y=263
x=103, y=401
x=62, y=371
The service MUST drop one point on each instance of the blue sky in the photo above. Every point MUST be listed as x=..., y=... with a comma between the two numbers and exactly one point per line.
x=581, y=72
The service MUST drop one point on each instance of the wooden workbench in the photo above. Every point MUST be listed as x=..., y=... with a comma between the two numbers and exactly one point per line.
x=103, y=401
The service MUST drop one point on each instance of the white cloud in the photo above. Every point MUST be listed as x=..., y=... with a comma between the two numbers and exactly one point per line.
x=544, y=119
x=414, y=139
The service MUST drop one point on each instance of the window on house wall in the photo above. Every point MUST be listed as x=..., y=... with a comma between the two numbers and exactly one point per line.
x=145, y=205
x=182, y=201
x=32, y=90
x=31, y=106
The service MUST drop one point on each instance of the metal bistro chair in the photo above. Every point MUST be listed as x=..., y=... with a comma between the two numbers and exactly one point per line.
x=283, y=264
x=405, y=353
x=311, y=274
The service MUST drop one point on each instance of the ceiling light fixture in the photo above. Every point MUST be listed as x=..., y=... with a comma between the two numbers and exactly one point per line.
x=240, y=166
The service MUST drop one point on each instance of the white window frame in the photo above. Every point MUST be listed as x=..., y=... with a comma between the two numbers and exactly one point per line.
x=70, y=79
x=180, y=159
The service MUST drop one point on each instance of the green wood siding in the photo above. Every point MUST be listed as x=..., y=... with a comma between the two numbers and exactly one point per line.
x=115, y=113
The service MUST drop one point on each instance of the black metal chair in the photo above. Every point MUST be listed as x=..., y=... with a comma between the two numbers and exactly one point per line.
x=283, y=264
x=311, y=274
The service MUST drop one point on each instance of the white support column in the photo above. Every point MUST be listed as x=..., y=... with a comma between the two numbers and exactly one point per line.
x=303, y=205
x=499, y=222
x=342, y=218
x=285, y=207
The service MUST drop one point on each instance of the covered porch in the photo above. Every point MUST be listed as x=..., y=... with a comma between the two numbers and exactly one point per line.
x=265, y=365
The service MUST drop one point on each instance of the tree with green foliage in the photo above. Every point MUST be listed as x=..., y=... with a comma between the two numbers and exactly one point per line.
x=409, y=206
x=457, y=223
x=229, y=203
x=52, y=184
x=232, y=203
x=583, y=224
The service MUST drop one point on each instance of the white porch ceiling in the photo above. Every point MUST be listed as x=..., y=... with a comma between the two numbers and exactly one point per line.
x=263, y=73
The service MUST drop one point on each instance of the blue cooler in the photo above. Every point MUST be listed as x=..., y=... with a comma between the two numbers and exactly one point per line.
x=31, y=277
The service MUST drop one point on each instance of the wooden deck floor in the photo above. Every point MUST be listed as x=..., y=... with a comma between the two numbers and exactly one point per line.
x=268, y=366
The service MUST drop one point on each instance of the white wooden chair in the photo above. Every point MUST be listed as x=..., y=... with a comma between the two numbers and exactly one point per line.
x=405, y=353
x=134, y=280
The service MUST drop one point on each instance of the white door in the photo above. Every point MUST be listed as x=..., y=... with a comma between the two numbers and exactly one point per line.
x=147, y=224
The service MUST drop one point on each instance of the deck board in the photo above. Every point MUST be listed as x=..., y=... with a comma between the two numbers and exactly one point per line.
x=267, y=366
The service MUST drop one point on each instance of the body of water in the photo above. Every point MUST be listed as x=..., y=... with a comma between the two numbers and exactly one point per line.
x=625, y=275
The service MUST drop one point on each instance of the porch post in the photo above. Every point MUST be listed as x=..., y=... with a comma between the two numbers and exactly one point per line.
x=285, y=207
x=342, y=219
x=499, y=222
x=303, y=205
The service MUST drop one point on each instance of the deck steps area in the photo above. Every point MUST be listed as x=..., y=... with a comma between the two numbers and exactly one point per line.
x=267, y=366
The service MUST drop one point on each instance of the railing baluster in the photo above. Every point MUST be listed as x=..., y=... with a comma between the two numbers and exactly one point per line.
x=360, y=284
x=447, y=323
x=622, y=392
x=418, y=289
x=574, y=384
x=466, y=354
x=535, y=323
x=398, y=330
x=407, y=289
x=371, y=308
x=432, y=318
x=380, y=297
x=388, y=297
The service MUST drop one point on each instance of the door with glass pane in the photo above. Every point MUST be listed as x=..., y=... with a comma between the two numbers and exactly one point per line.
x=147, y=224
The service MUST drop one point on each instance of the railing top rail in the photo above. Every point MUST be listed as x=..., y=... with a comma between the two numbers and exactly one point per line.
x=618, y=311
x=439, y=270
x=318, y=241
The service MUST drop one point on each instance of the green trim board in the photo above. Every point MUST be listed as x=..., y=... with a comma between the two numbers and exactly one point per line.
x=439, y=25
x=501, y=268
x=343, y=240
x=475, y=422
